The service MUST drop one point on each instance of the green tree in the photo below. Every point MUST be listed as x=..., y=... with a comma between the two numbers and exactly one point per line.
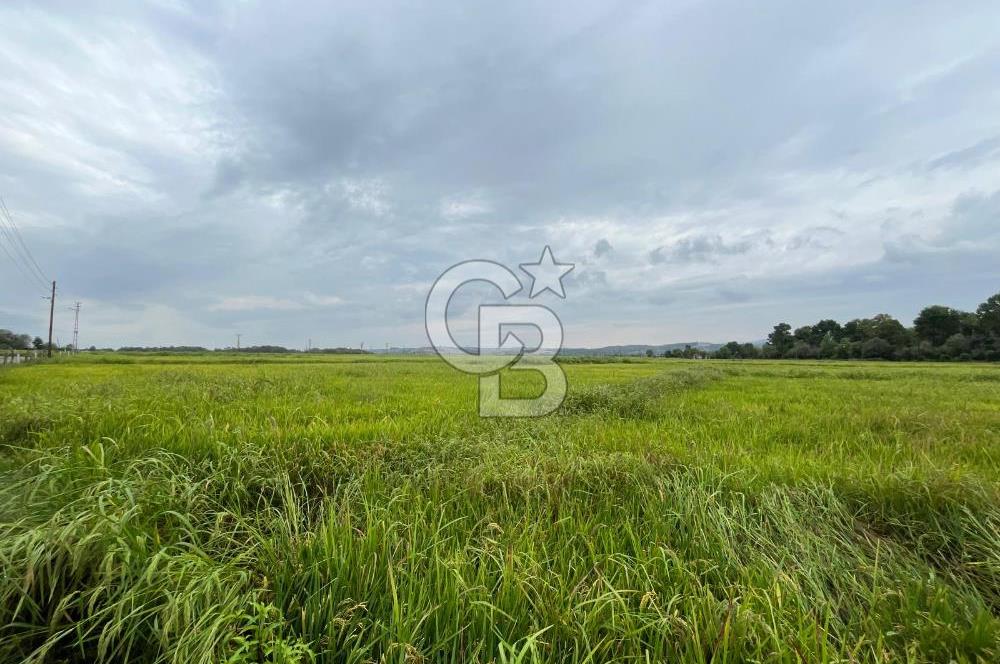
x=826, y=327
x=957, y=345
x=803, y=351
x=828, y=346
x=730, y=351
x=886, y=327
x=858, y=329
x=38, y=343
x=11, y=341
x=936, y=323
x=877, y=348
x=781, y=339
x=988, y=314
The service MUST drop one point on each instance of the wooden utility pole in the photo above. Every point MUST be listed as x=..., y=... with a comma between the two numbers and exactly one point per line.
x=52, y=312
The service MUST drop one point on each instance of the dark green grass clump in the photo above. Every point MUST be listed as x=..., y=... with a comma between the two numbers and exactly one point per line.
x=639, y=398
x=303, y=514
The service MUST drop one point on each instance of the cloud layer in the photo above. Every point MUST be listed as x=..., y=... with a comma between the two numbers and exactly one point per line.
x=193, y=170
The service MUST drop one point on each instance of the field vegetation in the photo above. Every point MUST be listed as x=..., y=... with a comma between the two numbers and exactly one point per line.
x=188, y=508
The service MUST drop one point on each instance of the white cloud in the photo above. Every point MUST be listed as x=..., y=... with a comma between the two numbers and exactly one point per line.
x=255, y=303
x=156, y=156
x=455, y=208
x=323, y=300
x=272, y=303
x=369, y=196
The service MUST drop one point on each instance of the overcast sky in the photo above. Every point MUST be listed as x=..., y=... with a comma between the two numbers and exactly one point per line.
x=291, y=171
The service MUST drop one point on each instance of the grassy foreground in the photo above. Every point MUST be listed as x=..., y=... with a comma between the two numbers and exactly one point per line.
x=347, y=509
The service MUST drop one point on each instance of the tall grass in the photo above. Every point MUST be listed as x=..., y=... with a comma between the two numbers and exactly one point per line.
x=639, y=398
x=346, y=513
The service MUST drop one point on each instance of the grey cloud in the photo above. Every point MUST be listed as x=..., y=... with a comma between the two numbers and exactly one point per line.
x=981, y=152
x=699, y=248
x=973, y=225
x=229, y=174
x=734, y=295
x=602, y=248
x=588, y=278
x=656, y=256
x=975, y=217
x=169, y=156
x=661, y=297
x=815, y=237
x=534, y=115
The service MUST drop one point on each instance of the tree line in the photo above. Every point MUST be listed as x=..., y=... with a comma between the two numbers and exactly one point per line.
x=340, y=350
x=938, y=333
x=13, y=341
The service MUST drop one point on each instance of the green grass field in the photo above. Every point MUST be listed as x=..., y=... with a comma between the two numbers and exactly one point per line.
x=355, y=509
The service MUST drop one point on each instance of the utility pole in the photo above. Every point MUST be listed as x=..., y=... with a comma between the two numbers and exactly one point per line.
x=52, y=313
x=309, y=346
x=76, y=327
x=238, y=342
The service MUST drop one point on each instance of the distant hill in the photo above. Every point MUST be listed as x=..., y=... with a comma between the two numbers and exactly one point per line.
x=633, y=349
x=640, y=349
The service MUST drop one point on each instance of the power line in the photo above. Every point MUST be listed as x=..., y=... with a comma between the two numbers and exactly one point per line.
x=24, y=261
x=10, y=220
x=17, y=265
x=22, y=256
x=13, y=235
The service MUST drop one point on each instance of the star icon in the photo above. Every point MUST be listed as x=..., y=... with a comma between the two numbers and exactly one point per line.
x=547, y=274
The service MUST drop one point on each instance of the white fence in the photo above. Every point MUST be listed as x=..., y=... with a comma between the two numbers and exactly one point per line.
x=8, y=357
